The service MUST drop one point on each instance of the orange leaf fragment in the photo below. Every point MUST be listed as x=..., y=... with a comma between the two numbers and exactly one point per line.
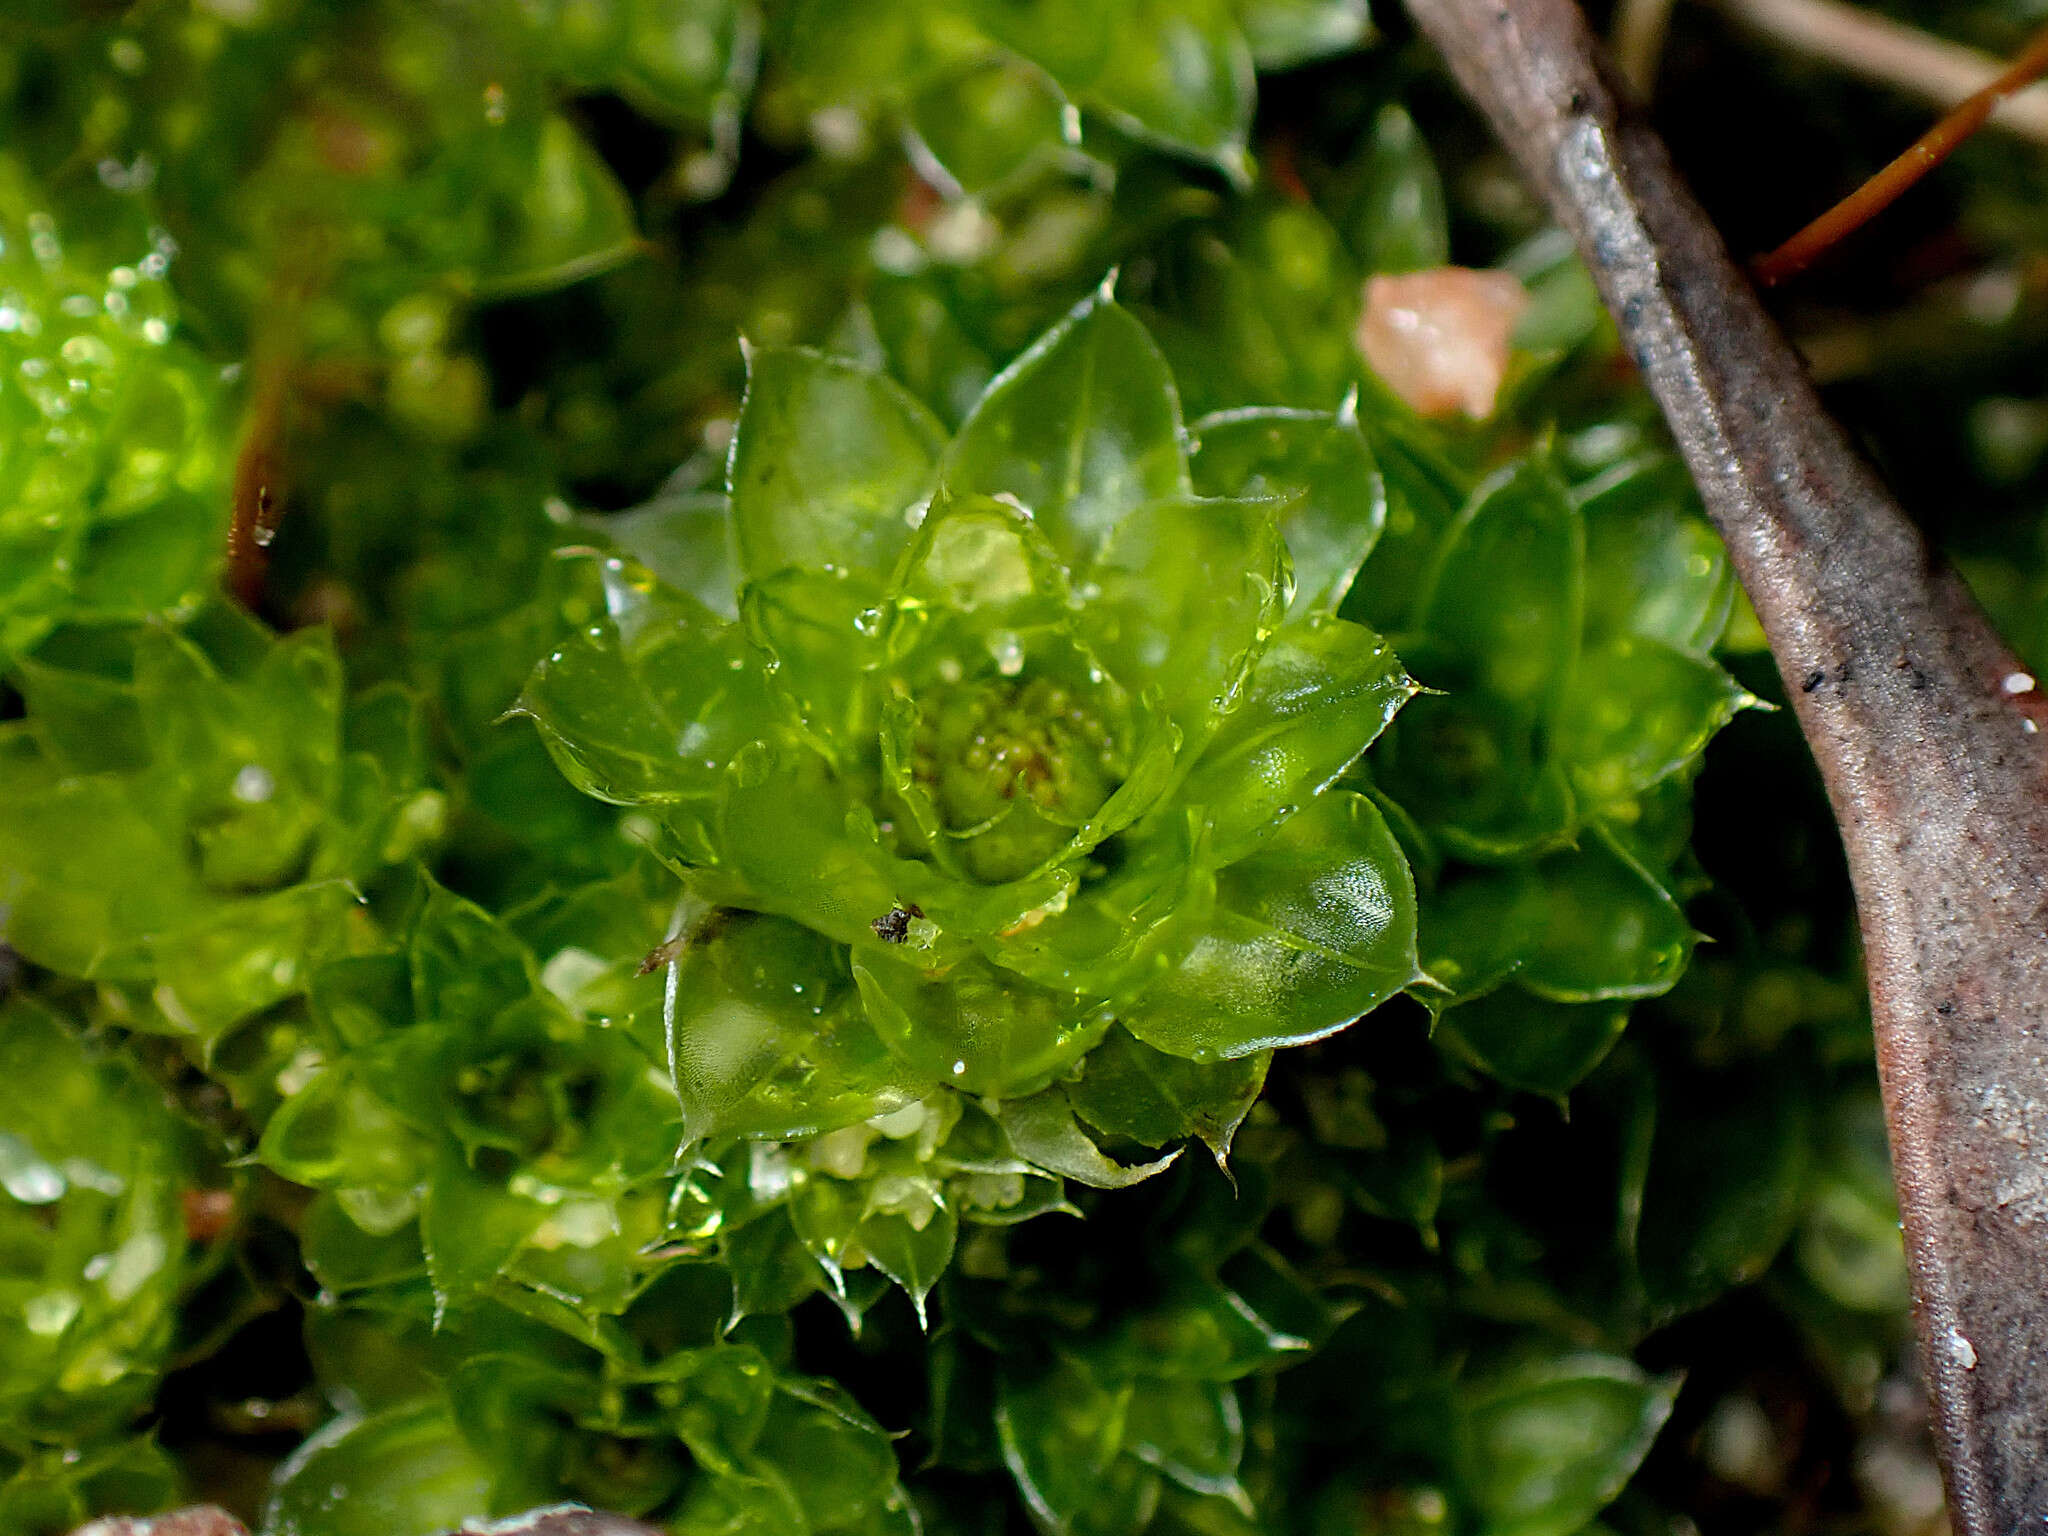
x=1439, y=339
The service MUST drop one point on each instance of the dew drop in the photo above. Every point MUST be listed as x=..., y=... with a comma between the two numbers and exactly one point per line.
x=33, y=1183
x=1008, y=652
x=254, y=784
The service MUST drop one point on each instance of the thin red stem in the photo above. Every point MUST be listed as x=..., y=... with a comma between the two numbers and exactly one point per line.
x=1885, y=188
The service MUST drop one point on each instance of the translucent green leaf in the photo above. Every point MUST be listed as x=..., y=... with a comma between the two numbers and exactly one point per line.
x=1502, y=612
x=978, y=562
x=1262, y=310
x=1287, y=33
x=114, y=483
x=1654, y=568
x=1044, y=1131
x=1187, y=593
x=828, y=462
x=82, y=708
x=60, y=1488
x=1584, y=925
x=344, y=1257
x=1069, y=39
x=246, y=956
x=88, y=875
x=908, y=1234
x=837, y=1461
x=824, y=1211
x=1310, y=933
x=818, y=638
x=1424, y=495
x=1061, y=1432
x=828, y=57
x=1100, y=935
x=1638, y=711
x=1849, y=1244
x=471, y=1226
x=686, y=541
x=1544, y=1450
x=1531, y=1042
x=1005, y=1200
x=1082, y=430
x=1318, y=696
x=1332, y=503
x=1507, y=593
x=975, y=1027
x=159, y=561
x=987, y=122
x=335, y=1132
x=1179, y=72
x=805, y=848
x=406, y=1471
x=1728, y=1174
x=1479, y=927
x=772, y=1270
x=743, y=1501
x=517, y=1411
x=466, y=966
x=1208, y=1331
x=91, y=1167
x=1395, y=217
x=1192, y=1431
x=569, y=220
x=1471, y=775
x=1129, y=1090
x=1564, y=311
x=578, y=1105
x=650, y=706
x=770, y=1037
x=1610, y=931
x=205, y=849
x=930, y=341
x=250, y=760
x=686, y=60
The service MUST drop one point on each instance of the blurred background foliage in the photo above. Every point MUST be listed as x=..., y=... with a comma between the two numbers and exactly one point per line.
x=335, y=1141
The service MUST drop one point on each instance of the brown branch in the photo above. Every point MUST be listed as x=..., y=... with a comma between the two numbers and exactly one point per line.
x=1889, y=184
x=1926, y=729
x=257, y=491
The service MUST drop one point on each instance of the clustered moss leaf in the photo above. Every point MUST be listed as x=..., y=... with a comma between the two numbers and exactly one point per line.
x=1016, y=724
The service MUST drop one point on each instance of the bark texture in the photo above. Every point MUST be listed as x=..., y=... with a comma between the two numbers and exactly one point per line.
x=1928, y=732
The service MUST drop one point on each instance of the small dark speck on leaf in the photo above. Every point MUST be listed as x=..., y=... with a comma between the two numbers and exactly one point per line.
x=671, y=950
x=1813, y=681
x=894, y=925
x=663, y=954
